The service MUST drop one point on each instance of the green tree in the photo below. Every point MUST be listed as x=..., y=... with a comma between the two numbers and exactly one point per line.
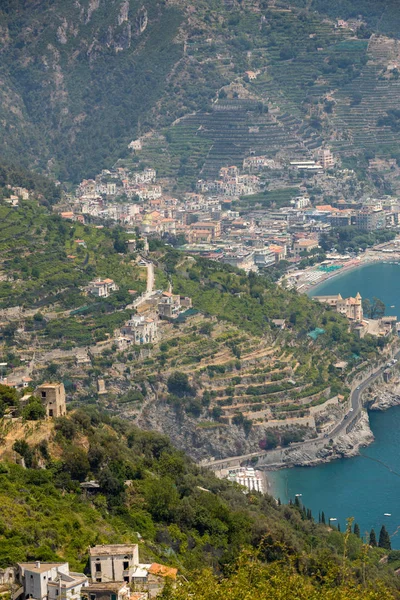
x=372, y=538
x=366, y=306
x=323, y=518
x=34, y=410
x=356, y=530
x=178, y=384
x=384, y=539
x=76, y=463
x=23, y=448
x=377, y=308
x=162, y=499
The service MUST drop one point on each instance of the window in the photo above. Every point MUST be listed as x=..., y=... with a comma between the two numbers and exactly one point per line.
x=98, y=580
x=98, y=567
x=126, y=579
x=125, y=565
x=113, y=596
x=56, y=592
x=92, y=596
x=43, y=394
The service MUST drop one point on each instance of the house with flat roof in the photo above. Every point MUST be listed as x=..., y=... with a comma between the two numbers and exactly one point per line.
x=50, y=581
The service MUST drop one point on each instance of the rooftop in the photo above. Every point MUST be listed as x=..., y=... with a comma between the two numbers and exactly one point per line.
x=38, y=567
x=112, y=549
x=163, y=570
x=113, y=586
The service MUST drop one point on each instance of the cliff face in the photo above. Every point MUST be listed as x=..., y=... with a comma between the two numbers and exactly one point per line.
x=75, y=75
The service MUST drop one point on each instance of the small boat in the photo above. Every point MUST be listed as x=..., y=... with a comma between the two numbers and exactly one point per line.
x=387, y=514
x=392, y=306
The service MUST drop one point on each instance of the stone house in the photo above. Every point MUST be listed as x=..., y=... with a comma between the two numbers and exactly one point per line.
x=349, y=307
x=53, y=398
x=152, y=578
x=170, y=305
x=114, y=562
x=7, y=576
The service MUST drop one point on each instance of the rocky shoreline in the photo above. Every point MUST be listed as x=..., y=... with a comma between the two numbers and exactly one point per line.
x=386, y=399
x=345, y=446
x=348, y=445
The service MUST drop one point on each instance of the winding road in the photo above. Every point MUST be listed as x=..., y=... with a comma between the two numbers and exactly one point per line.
x=348, y=419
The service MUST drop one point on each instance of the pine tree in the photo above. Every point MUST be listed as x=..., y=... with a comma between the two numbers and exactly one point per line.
x=338, y=527
x=279, y=501
x=297, y=502
x=319, y=517
x=384, y=539
x=356, y=530
x=323, y=517
x=372, y=538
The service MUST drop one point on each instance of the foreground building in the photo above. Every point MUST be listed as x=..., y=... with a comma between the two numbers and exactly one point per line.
x=116, y=570
x=115, y=562
x=50, y=581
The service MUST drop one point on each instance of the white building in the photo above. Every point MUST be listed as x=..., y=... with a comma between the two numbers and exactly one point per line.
x=51, y=581
x=111, y=189
x=102, y=287
x=141, y=330
x=248, y=477
x=114, y=562
x=301, y=202
x=135, y=145
x=145, y=176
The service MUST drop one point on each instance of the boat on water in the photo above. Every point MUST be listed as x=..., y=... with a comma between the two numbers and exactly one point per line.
x=392, y=306
x=387, y=514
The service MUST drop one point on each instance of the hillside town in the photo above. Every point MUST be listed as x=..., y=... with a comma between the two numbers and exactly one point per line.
x=213, y=222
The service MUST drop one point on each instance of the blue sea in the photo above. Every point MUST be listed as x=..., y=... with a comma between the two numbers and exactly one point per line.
x=367, y=486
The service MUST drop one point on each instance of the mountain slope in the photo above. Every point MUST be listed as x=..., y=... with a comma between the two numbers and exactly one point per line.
x=79, y=80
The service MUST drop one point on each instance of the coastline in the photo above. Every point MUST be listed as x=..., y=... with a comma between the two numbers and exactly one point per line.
x=304, y=286
x=337, y=274
x=345, y=446
x=349, y=445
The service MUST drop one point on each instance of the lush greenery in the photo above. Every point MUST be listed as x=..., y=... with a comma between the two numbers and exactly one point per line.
x=351, y=239
x=184, y=515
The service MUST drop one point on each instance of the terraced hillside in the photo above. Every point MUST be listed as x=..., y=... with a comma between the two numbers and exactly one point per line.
x=361, y=104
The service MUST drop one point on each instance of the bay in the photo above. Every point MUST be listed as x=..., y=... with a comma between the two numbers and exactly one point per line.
x=367, y=486
x=381, y=280
x=364, y=487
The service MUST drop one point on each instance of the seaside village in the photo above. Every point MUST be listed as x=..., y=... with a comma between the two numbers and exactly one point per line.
x=213, y=222
x=116, y=573
x=207, y=223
